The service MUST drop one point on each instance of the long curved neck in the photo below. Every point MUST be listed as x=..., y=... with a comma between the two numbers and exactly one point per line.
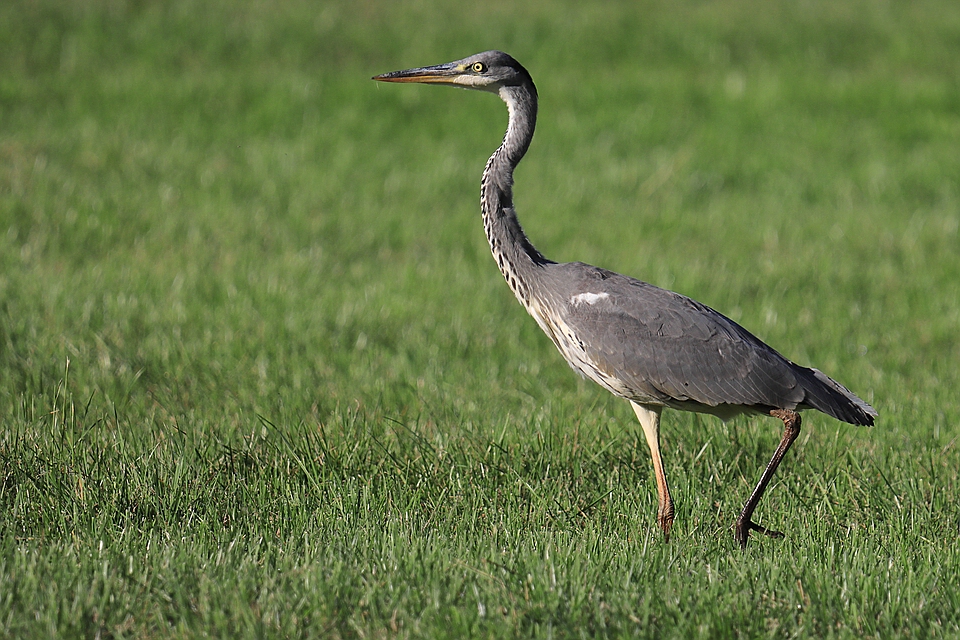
x=516, y=257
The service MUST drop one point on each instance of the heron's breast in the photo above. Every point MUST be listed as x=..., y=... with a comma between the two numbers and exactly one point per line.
x=572, y=347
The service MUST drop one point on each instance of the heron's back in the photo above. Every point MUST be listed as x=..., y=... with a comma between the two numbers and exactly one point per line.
x=657, y=347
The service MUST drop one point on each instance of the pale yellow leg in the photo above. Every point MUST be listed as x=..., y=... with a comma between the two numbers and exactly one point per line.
x=649, y=416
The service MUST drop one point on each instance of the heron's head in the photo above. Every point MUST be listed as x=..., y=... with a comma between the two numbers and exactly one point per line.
x=488, y=71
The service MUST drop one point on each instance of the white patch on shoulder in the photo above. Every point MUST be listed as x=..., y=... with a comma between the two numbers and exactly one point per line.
x=588, y=298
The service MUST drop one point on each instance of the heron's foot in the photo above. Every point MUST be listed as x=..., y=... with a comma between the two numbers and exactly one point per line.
x=665, y=522
x=742, y=529
x=665, y=514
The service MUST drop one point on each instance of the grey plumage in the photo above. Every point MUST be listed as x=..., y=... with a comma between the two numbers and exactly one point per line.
x=667, y=349
x=648, y=345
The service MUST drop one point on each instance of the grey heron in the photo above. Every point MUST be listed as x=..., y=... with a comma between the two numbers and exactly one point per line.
x=655, y=348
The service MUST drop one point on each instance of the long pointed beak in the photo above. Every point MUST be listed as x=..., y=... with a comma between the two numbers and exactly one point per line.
x=437, y=74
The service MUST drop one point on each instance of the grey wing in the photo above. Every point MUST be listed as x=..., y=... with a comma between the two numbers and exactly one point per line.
x=666, y=348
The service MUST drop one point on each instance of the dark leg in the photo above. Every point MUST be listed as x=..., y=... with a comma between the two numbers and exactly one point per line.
x=743, y=526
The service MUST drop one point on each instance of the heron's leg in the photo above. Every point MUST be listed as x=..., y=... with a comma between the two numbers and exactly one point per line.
x=649, y=417
x=743, y=525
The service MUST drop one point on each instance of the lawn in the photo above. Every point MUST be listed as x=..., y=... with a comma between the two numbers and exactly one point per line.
x=259, y=376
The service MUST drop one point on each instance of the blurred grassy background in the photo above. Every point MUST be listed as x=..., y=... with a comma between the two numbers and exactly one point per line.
x=259, y=376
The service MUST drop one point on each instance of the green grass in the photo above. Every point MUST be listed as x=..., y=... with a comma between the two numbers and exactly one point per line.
x=260, y=377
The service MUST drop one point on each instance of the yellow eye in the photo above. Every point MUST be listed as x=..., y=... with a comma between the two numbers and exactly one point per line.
x=479, y=67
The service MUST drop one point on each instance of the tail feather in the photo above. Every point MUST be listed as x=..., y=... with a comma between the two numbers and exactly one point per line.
x=829, y=396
